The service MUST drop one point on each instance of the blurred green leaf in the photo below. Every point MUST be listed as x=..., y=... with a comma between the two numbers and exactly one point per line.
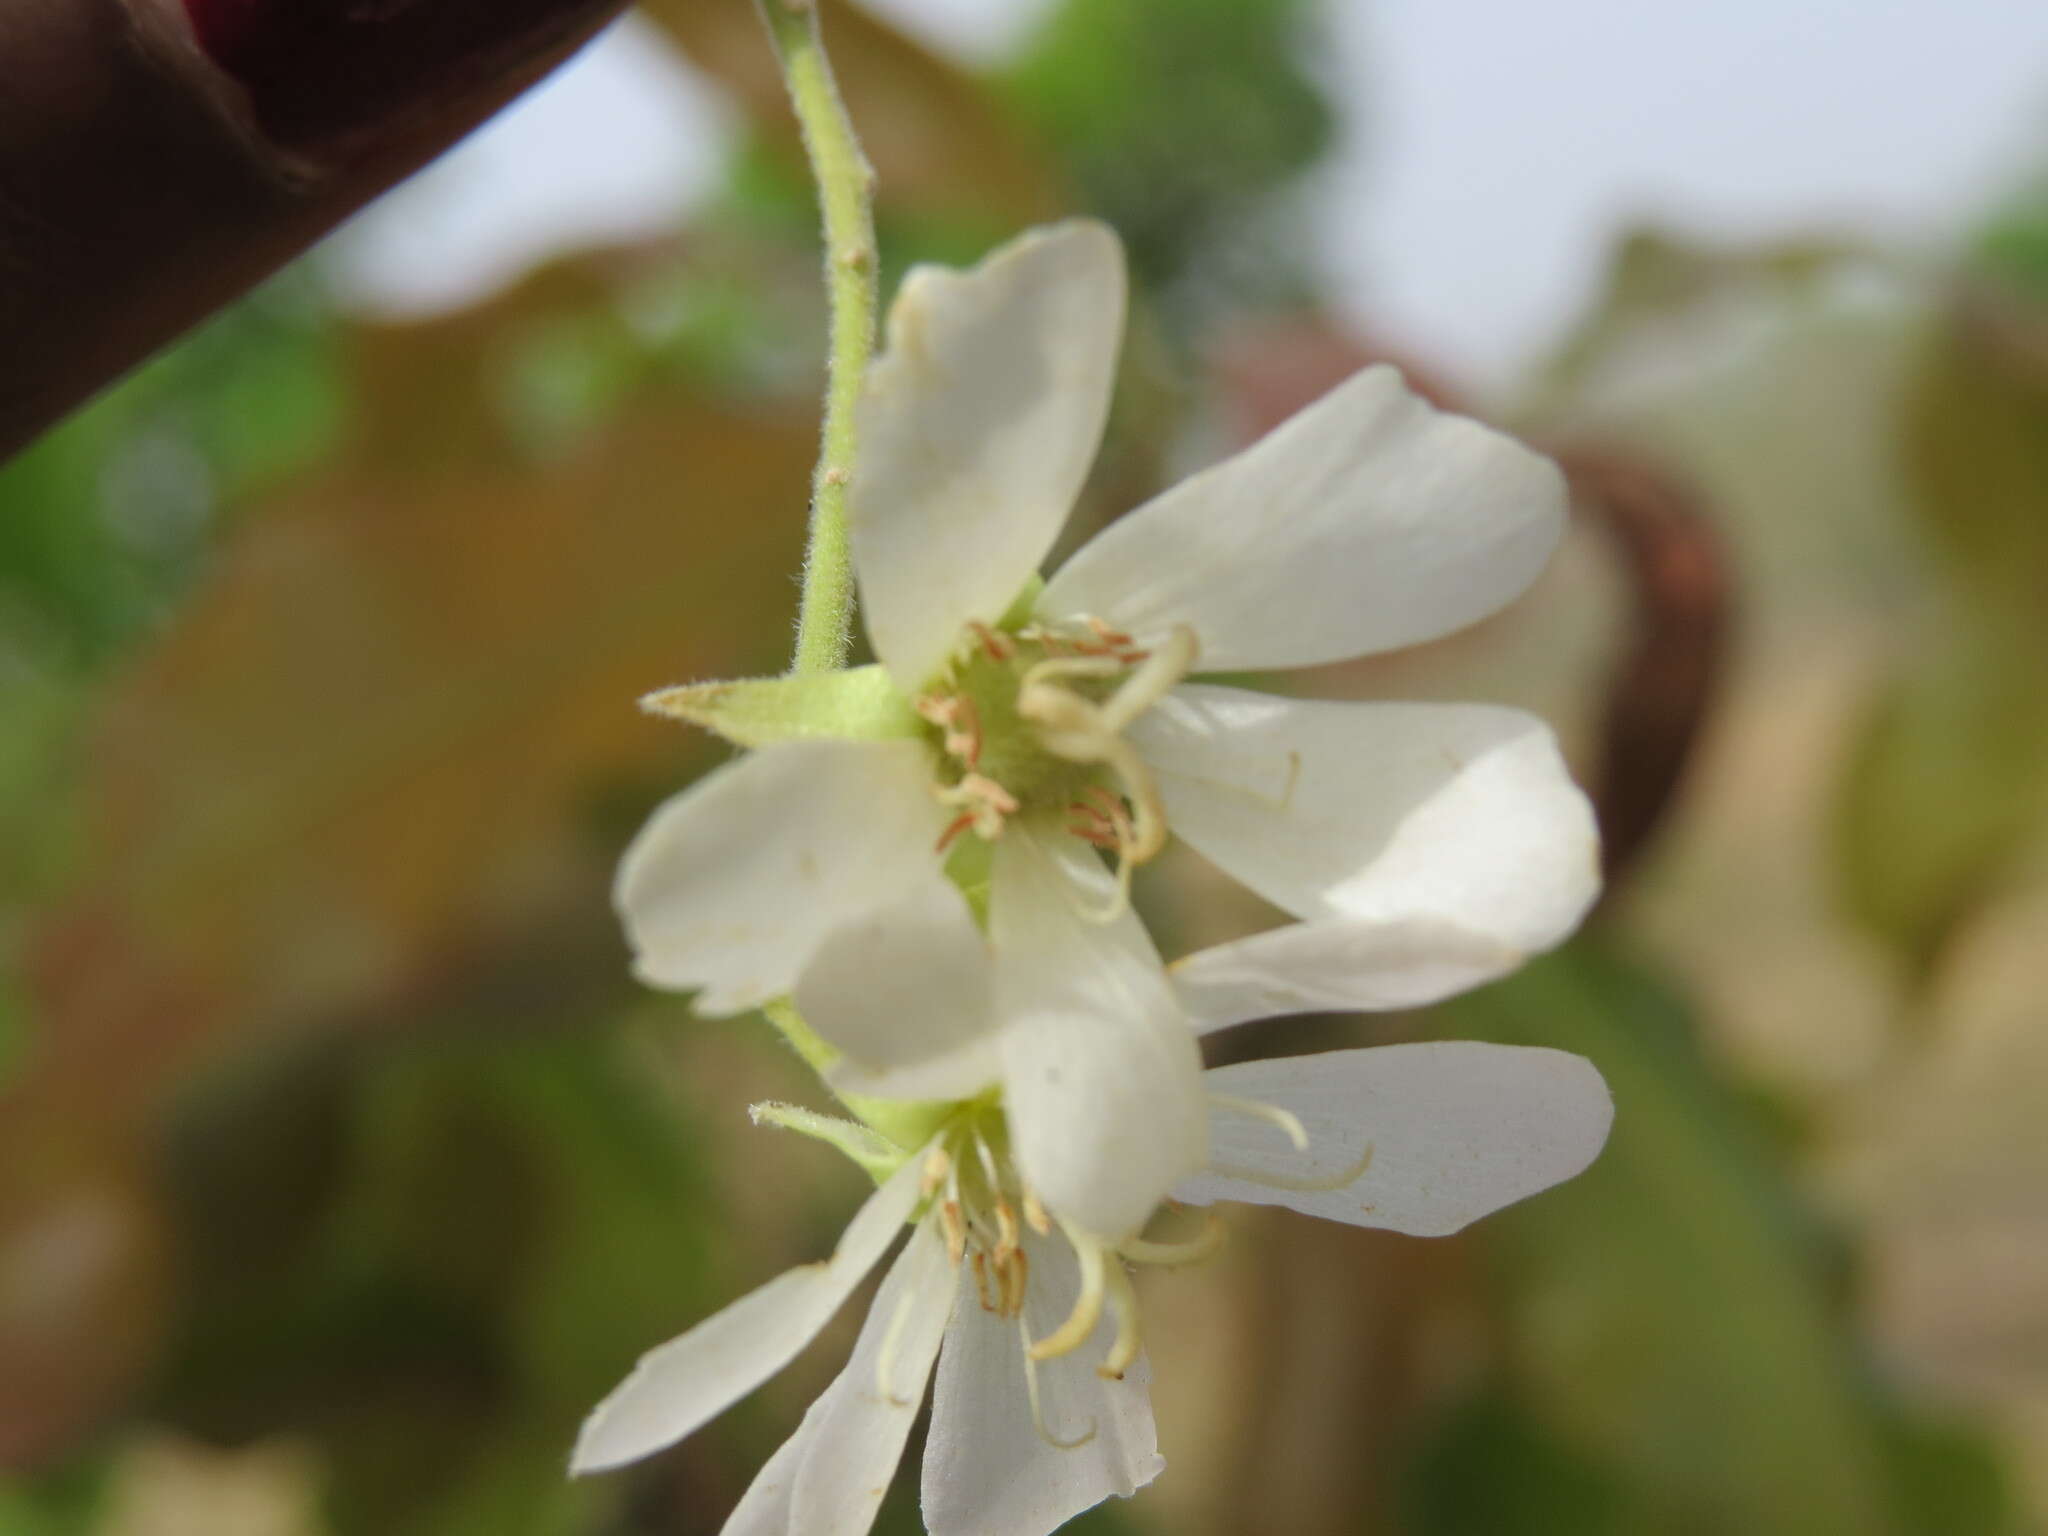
x=1672, y=1310
x=433, y=1263
x=1950, y=1481
x=2014, y=245
x=65, y=1502
x=1494, y=1470
x=1949, y=774
x=1946, y=777
x=103, y=520
x=1974, y=429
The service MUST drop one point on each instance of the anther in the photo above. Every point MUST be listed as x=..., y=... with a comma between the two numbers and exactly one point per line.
x=983, y=801
x=1035, y=1215
x=999, y=646
x=1123, y=1300
x=953, y=830
x=1006, y=1229
x=955, y=715
x=990, y=1301
x=936, y=1166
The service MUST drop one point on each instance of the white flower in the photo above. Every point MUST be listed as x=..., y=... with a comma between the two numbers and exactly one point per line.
x=1041, y=1406
x=1009, y=727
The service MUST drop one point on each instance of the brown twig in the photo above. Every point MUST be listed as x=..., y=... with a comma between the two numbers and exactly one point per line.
x=156, y=161
x=1664, y=685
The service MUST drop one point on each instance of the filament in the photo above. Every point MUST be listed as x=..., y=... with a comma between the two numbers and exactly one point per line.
x=1080, y=1323
x=1031, y=1393
x=1193, y=1251
x=885, y=1357
x=1342, y=1180
x=1288, y=1123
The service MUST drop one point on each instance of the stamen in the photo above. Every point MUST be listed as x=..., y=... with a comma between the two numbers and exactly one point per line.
x=1016, y=1277
x=1170, y=1255
x=1042, y=674
x=1272, y=1114
x=1094, y=828
x=950, y=1217
x=1152, y=680
x=989, y=1301
x=998, y=645
x=1006, y=1230
x=1341, y=1180
x=1119, y=644
x=1084, y=732
x=936, y=1164
x=1124, y=1301
x=1080, y=1323
x=953, y=830
x=1035, y=1213
x=987, y=1159
x=1006, y=1218
x=1148, y=811
x=956, y=716
x=983, y=805
x=1031, y=1394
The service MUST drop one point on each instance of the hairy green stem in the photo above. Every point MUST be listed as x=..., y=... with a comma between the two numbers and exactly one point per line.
x=824, y=619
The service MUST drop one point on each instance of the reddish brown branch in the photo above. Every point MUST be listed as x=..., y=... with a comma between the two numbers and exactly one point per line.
x=1664, y=684
x=154, y=165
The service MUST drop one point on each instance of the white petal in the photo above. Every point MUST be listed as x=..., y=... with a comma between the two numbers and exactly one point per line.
x=830, y=1477
x=764, y=1509
x=734, y=883
x=1431, y=846
x=1335, y=967
x=691, y=1379
x=903, y=992
x=977, y=426
x=1456, y=1129
x=866, y=1414
x=1366, y=522
x=1101, y=1074
x=986, y=1471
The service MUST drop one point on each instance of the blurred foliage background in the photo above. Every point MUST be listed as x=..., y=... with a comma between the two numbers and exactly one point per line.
x=342, y=1168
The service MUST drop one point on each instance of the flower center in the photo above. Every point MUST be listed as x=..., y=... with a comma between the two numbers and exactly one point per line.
x=1031, y=721
x=983, y=1205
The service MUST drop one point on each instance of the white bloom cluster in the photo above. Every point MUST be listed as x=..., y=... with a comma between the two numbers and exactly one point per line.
x=932, y=857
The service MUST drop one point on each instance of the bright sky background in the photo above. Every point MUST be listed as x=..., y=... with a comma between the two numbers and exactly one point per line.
x=1493, y=150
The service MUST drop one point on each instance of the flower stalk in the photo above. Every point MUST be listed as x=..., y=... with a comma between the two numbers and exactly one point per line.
x=845, y=182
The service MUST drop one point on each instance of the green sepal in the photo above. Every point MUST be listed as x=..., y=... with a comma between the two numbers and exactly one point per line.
x=876, y=1155
x=908, y=1123
x=857, y=705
